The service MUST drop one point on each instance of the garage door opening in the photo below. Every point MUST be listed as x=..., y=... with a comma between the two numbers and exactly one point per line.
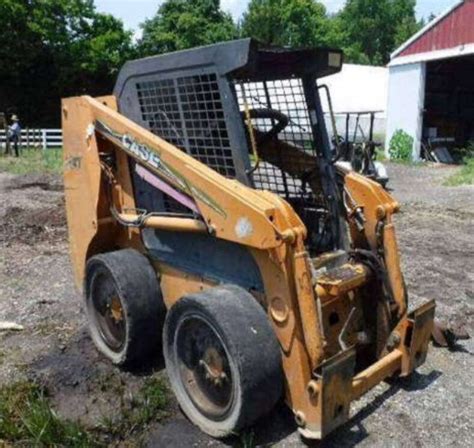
x=449, y=103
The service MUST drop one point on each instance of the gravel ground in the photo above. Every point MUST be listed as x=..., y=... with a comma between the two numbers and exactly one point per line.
x=434, y=407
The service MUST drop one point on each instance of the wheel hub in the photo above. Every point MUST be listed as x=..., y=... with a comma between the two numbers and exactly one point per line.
x=213, y=366
x=116, y=310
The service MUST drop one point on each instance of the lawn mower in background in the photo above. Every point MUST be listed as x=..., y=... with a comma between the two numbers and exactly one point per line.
x=357, y=150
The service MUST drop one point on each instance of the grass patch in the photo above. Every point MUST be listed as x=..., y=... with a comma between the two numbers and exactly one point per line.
x=380, y=155
x=465, y=175
x=247, y=440
x=34, y=161
x=149, y=405
x=27, y=419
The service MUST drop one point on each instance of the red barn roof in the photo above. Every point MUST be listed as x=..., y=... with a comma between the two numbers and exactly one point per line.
x=446, y=36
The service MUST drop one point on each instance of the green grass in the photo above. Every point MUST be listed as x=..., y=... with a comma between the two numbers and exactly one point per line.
x=33, y=161
x=247, y=440
x=148, y=405
x=464, y=176
x=27, y=419
x=380, y=155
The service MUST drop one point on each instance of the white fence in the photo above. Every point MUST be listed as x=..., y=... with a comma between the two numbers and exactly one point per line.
x=37, y=138
x=53, y=138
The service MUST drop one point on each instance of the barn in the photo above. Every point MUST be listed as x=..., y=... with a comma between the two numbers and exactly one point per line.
x=431, y=82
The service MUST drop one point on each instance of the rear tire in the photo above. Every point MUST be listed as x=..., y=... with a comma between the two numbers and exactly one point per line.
x=125, y=307
x=223, y=359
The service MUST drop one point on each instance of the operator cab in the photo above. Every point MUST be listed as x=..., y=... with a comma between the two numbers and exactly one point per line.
x=248, y=112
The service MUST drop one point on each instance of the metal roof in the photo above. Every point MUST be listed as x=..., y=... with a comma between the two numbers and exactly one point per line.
x=238, y=59
x=450, y=34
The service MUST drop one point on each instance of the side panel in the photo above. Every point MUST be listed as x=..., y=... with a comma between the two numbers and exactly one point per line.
x=82, y=175
x=205, y=256
x=91, y=227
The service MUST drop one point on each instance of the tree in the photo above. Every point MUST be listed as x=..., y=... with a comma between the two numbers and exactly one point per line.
x=369, y=30
x=181, y=24
x=56, y=48
x=404, y=17
x=294, y=23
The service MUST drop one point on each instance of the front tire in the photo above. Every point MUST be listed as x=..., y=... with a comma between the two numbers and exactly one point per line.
x=223, y=359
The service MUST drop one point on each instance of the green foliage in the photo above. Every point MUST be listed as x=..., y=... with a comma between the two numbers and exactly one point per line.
x=367, y=30
x=27, y=419
x=48, y=161
x=464, y=176
x=293, y=23
x=181, y=24
x=370, y=30
x=467, y=152
x=401, y=146
x=56, y=48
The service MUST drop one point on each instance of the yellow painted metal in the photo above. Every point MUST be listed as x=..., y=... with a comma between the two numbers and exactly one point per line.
x=392, y=260
x=311, y=322
x=272, y=232
x=346, y=278
x=167, y=223
x=373, y=375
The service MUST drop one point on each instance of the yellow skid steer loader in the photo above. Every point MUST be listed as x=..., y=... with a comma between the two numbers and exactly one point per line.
x=208, y=219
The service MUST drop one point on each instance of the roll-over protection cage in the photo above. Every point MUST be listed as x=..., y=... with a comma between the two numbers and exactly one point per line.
x=208, y=101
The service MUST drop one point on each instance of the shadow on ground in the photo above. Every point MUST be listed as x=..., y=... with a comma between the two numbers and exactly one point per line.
x=277, y=426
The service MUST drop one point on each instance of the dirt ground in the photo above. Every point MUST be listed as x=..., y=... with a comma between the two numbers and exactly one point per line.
x=432, y=408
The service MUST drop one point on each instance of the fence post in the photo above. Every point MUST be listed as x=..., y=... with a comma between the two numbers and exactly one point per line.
x=45, y=142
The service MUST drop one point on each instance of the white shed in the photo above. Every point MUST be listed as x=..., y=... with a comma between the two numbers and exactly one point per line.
x=431, y=83
x=358, y=88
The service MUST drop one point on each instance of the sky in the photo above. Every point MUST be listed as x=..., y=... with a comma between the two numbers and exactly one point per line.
x=134, y=12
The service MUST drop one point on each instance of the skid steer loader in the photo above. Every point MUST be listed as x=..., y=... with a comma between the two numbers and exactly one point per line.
x=207, y=219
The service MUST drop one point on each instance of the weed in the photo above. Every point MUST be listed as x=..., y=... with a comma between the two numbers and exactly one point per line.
x=33, y=161
x=247, y=440
x=401, y=146
x=464, y=176
x=466, y=152
x=154, y=399
x=26, y=418
x=380, y=155
x=149, y=405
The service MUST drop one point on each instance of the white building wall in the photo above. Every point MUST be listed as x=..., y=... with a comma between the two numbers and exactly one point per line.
x=357, y=88
x=406, y=98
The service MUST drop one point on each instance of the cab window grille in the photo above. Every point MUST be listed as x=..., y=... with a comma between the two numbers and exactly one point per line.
x=160, y=110
x=287, y=97
x=188, y=112
x=301, y=188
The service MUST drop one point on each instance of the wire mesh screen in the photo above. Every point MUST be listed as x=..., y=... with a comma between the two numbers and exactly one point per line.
x=188, y=112
x=290, y=169
x=287, y=97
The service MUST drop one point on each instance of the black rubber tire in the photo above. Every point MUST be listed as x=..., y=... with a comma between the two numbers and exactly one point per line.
x=136, y=284
x=252, y=350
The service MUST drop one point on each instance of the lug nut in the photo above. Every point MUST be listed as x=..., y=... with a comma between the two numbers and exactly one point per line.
x=313, y=388
x=393, y=340
x=300, y=419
